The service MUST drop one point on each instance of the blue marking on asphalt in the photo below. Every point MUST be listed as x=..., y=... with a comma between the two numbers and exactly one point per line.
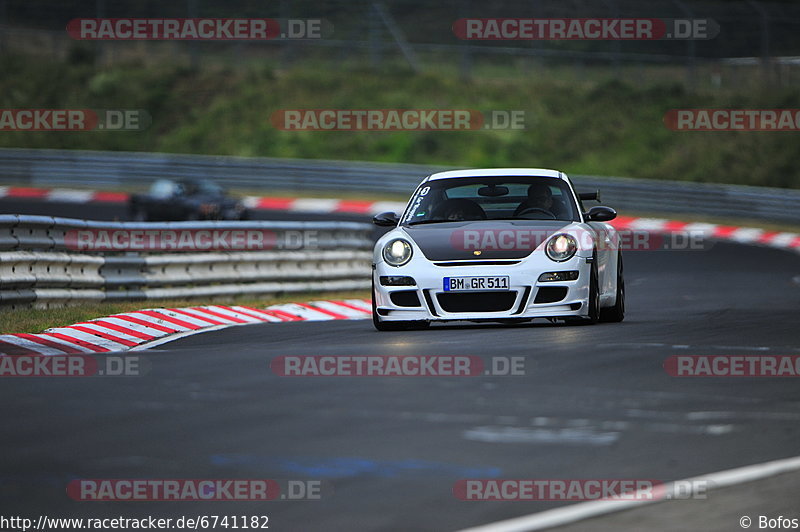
x=344, y=467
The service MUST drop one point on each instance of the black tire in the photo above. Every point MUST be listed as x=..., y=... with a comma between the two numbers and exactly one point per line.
x=616, y=313
x=594, y=295
x=594, y=300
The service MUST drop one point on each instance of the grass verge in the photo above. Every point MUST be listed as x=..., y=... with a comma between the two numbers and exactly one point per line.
x=598, y=127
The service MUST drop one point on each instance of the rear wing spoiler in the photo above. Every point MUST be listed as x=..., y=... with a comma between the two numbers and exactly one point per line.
x=586, y=196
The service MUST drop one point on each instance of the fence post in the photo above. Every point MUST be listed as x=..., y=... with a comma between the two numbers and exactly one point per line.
x=398, y=36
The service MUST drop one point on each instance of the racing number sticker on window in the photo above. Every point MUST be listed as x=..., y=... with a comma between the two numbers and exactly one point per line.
x=416, y=202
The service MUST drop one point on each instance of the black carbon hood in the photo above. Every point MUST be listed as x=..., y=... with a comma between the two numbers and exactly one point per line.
x=494, y=239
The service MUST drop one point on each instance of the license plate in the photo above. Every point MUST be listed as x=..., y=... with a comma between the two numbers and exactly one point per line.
x=462, y=284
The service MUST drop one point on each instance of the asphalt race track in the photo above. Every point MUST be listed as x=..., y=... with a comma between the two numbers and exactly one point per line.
x=595, y=402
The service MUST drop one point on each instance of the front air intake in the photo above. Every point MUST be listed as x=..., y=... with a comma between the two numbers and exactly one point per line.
x=476, y=301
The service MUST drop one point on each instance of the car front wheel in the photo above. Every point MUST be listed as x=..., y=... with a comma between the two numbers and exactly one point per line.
x=593, y=315
x=616, y=313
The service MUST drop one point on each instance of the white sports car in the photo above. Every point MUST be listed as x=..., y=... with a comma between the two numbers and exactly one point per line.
x=503, y=245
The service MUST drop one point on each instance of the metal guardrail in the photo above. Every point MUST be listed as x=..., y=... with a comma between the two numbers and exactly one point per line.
x=40, y=265
x=115, y=169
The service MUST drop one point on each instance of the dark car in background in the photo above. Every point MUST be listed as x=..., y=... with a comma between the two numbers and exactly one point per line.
x=185, y=199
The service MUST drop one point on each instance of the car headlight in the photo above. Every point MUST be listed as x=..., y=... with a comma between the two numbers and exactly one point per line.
x=397, y=252
x=561, y=247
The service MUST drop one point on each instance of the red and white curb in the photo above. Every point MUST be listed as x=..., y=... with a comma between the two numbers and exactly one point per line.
x=291, y=204
x=322, y=206
x=741, y=235
x=149, y=327
x=63, y=194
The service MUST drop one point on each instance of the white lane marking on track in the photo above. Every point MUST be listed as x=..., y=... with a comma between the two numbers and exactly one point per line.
x=586, y=510
x=575, y=436
x=700, y=347
x=772, y=416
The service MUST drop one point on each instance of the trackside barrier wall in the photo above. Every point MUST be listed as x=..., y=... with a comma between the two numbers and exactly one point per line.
x=38, y=269
x=103, y=170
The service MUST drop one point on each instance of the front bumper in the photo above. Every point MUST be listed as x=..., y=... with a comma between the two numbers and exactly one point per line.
x=527, y=297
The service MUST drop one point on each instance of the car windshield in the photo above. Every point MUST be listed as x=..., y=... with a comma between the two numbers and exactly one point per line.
x=492, y=198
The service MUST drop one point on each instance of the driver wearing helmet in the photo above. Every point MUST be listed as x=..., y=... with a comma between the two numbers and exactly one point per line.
x=540, y=197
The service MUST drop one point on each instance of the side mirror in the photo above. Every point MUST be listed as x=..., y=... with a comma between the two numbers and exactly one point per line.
x=601, y=213
x=385, y=219
x=586, y=196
